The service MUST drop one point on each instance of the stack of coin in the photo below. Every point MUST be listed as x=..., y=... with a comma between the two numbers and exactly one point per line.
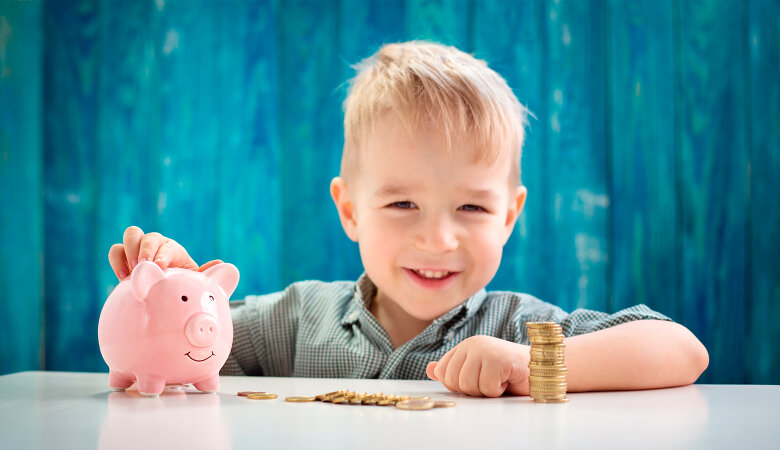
x=547, y=379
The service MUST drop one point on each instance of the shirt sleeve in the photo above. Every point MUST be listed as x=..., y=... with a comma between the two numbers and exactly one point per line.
x=580, y=321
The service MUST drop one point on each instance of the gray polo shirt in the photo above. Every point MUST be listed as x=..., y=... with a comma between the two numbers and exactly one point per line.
x=319, y=329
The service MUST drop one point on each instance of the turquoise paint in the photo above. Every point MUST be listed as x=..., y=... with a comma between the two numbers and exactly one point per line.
x=21, y=187
x=650, y=167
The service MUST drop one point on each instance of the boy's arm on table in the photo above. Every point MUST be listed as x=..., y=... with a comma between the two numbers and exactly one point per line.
x=642, y=354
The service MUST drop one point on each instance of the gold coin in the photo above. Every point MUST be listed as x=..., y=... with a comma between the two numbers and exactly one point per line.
x=542, y=324
x=542, y=333
x=421, y=398
x=262, y=396
x=549, y=372
x=386, y=403
x=549, y=341
x=550, y=396
x=355, y=401
x=334, y=393
x=245, y=393
x=299, y=399
x=552, y=400
x=548, y=387
x=546, y=365
x=338, y=400
x=548, y=390
x=547, y=378
x=443, y=404
x=557, y=351
x=546, y=384
x=415, y=405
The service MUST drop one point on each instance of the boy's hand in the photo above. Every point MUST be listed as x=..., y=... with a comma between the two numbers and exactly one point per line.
x=484, y=366
x=137, y=246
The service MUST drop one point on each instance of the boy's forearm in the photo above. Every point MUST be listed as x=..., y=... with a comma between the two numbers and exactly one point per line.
x=644, y=354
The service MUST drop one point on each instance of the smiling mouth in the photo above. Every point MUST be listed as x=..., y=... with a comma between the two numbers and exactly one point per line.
x=199, y=360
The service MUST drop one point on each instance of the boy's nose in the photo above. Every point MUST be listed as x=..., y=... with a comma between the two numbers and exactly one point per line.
x=437, y=236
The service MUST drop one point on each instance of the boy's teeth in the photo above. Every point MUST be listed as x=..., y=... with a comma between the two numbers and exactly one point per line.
x=432, y=274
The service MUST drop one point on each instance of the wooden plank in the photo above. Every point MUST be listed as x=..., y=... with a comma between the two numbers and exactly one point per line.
x=127, y=130
x=643, y=196
x=189, y=138
x=70, y=111
x=312, y=136
x=445, y=21
x=576, y=152
x=371, y=24
x=512, y=39
x=249, y=198
x=762, y=360
x=21, y=191
x=712, y=180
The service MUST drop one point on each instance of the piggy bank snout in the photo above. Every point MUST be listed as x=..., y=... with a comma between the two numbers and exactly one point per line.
x=202, y=330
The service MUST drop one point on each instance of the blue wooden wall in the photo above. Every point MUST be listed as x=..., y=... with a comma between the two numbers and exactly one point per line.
x=652, y=165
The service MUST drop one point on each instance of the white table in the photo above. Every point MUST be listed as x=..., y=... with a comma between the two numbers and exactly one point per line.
x=57, y=410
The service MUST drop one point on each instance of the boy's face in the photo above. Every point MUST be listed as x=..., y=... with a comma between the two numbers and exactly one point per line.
x=430, y=225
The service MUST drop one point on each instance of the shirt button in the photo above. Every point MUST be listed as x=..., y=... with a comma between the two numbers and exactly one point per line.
x=353, y=316
x=450, y=336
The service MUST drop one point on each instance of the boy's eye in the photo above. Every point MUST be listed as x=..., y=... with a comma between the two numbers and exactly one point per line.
x=473, y=208
x=401, y=205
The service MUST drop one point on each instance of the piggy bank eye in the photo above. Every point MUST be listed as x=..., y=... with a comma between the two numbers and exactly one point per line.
x=184, y=298
x=211, y=297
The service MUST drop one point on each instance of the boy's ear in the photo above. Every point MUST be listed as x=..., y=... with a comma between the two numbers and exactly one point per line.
x=516, y=203
x=345, y=207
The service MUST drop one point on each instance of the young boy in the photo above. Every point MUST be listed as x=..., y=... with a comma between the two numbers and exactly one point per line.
x=430, y=190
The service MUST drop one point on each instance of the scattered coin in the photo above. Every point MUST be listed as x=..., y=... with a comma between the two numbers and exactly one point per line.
x=299, y=399
x=443, y=404
x=415, y=405
x=262, y=396
x=245, y=393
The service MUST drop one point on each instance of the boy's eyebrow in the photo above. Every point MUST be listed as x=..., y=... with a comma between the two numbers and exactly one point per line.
x=392, y=190
x=396, y=190
x=487, y=194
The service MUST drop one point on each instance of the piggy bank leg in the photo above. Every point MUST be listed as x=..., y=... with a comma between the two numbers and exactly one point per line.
x=150, y=385
x=209, y=385
x=119, y=381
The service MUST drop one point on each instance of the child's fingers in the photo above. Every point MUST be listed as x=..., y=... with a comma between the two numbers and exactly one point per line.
x=441, y=367
x=132, y=243
x=172, y=254
x=118, y=261
x=209, y=264
x=430, y=370
x=150, y=243
x=452, y=377
x=492, y=382
x=468, y=381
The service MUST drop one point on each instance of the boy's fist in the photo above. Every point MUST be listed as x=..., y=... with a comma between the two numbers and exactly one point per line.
x=484, y=366
x=137, y=246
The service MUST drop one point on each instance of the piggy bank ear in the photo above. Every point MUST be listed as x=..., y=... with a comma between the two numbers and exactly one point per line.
x=144, y=276
x=225, y=275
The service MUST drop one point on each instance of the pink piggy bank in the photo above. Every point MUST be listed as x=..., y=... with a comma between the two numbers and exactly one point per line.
x=168, y=327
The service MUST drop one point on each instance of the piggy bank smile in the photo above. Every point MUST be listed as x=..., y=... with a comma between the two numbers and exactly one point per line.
x=188, y=354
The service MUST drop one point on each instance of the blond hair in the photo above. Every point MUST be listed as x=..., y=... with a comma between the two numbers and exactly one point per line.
x=425, y=83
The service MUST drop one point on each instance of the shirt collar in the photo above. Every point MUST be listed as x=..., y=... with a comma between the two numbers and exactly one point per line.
x=365, y=290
